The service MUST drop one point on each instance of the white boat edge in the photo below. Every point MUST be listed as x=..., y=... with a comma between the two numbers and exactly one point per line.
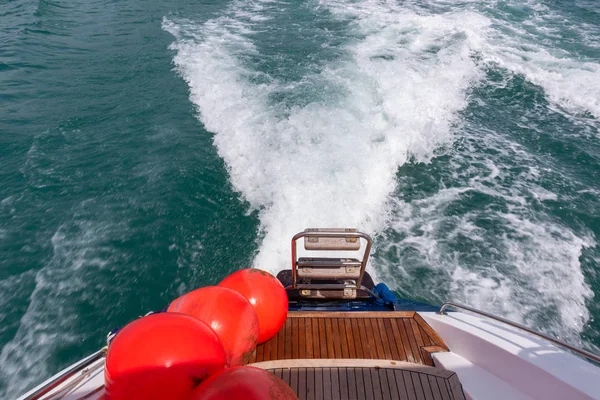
x=493, y=360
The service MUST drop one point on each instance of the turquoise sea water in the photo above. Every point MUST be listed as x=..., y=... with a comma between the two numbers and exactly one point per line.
x=148, y=148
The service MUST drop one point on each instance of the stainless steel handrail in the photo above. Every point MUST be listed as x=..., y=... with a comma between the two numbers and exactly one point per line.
x=62, y=377
x=332, y=235
x=577, y=350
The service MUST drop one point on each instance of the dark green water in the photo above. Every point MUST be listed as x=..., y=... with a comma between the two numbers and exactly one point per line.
x=148, y=148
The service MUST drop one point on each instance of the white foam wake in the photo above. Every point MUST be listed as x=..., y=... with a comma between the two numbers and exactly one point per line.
x=63, y=289
x=567, y=81
x=519, y=267
x=523, y=266
x=399, y=88
x=333, y=164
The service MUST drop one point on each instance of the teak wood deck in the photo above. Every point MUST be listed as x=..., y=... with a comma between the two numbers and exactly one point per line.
x=358, y=355
x=341, y=379
x=401, y=336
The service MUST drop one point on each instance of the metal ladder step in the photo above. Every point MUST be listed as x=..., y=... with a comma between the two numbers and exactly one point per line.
x=328, y=268
x=347, y=272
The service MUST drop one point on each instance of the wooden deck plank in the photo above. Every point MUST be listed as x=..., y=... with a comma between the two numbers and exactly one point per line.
x=280, y=343
x=410, y=387
x=376, y=384
x=427, y=351
x=266, y=351
x=296, y=335
x=398, y=339
x=288, y=339
x=417, y=333
x=270, y=349
x=345, y=337
x=316, y=339
x=358, y=342
x=392, y=336
x=369, y=384
x=351, y=314
x=360, y=384
x=443, y=388
x=405, y=342
x=363, y=342
x=309, y=337
x=322, y=337
x=344, y=383
x=372, y=383
x=416, y=381
x=335, y=384
x=329, y=337
x=426, y=339
x=401, y=385
x=391, y=378
x=352, y=392
x=376, y=339
x=294, y=379
x=301, y=381
x=456, y=387
x=449, y=387
x=426, y=386
x=437, y=395
x=369, y=338
x=310, y=384
x=326, y=383
x=302, y=346
x=380, y=385
x=319, y=386
x=286, y=375
x=387, y=350
x=386, y=393
x=426, y=356
x=412, y=341
x=430, y=332
x=337, y=338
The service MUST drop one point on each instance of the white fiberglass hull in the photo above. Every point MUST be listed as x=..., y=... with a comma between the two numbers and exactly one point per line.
x=497, y=361
x=493, y=360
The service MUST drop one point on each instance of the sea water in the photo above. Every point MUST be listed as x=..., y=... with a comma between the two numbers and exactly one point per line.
x=148, y=148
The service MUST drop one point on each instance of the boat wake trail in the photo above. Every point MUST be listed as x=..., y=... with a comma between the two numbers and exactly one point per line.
x=314, y=131
x=79, y=253
x=331, y=161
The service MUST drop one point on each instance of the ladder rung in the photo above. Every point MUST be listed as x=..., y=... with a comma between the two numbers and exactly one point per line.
x=323, y=242
x=347, y=294
x=326, y=286
x=348, y=272
x=328, y=262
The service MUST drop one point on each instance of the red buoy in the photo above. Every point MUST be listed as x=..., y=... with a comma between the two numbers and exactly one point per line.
x=248, y=383
x=229, y=314
x=161, y=356
x=267, y=296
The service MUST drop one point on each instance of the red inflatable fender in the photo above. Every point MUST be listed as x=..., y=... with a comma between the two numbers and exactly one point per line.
x=247, y=383
x=161, y=356
x=267, y=296
x=229, y=314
